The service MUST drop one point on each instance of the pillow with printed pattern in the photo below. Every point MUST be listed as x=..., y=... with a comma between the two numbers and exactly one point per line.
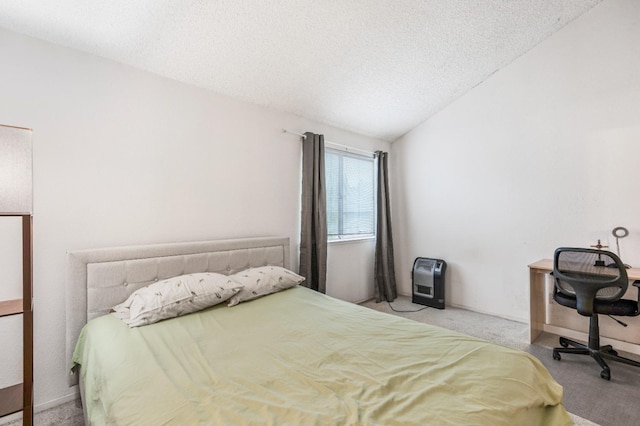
x=258, y=282
x=174, y=297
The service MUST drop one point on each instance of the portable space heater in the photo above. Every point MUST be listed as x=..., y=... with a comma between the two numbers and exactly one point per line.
x=428, y=282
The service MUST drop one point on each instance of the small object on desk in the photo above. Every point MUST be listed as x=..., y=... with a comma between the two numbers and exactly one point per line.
x=599, y=246
x=599, y=261
x=619, y=232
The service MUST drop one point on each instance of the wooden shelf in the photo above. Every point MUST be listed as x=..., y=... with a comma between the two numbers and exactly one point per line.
x=11, y=400
x=10, y=307
x=16, y=398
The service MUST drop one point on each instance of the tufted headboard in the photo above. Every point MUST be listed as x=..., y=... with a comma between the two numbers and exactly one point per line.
x=101, y=278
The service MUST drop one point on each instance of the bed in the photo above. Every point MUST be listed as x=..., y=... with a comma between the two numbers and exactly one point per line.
x=292, y=357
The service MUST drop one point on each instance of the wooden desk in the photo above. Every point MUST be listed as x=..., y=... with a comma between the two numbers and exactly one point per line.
x=538, y=308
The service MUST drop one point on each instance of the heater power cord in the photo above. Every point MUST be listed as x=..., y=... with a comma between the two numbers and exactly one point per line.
x=403, y=311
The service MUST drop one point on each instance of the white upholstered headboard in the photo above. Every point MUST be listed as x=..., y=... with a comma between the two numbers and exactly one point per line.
x=101, y=278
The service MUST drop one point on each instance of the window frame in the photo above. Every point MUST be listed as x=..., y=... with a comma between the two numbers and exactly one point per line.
x=341, y=237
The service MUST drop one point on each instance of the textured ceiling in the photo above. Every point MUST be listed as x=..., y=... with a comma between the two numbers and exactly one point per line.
x=376, y=67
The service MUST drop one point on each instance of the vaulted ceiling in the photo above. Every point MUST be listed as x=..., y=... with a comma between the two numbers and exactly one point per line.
x=376, y=67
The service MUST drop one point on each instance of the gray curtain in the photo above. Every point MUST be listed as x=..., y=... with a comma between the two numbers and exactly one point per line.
x=385, y=273
x=313, y=234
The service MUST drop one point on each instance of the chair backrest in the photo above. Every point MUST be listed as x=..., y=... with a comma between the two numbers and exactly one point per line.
x=589, y=275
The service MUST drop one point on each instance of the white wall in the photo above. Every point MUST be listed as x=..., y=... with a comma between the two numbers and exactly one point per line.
x=350, y=262
x=125, y=157
x=544, y=153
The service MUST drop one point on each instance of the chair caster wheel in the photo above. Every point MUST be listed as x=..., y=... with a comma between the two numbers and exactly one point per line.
x=605, y=374
x=564, y=343
x=556, y=356
x=612, y=352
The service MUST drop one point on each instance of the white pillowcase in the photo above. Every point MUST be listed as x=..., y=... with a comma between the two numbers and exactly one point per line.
x=258, y=282
x=174, y=297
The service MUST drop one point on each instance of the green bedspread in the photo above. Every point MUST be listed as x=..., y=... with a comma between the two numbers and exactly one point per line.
x=301, y=358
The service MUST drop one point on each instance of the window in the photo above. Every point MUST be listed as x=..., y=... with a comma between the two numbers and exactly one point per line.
x=350, y=195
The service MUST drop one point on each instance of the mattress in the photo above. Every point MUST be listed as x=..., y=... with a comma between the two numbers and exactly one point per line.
x=299, y=357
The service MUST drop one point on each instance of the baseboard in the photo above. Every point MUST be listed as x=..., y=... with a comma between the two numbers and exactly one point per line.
x=493, y=314
x=466, y=308
x=75, y=394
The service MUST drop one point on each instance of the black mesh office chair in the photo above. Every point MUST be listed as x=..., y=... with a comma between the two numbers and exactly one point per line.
x=592, y=282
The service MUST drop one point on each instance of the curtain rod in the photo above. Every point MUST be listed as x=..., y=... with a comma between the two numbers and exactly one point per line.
x=335, y=145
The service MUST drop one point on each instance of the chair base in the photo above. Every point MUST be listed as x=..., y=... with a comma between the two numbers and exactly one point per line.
x=598, y=353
